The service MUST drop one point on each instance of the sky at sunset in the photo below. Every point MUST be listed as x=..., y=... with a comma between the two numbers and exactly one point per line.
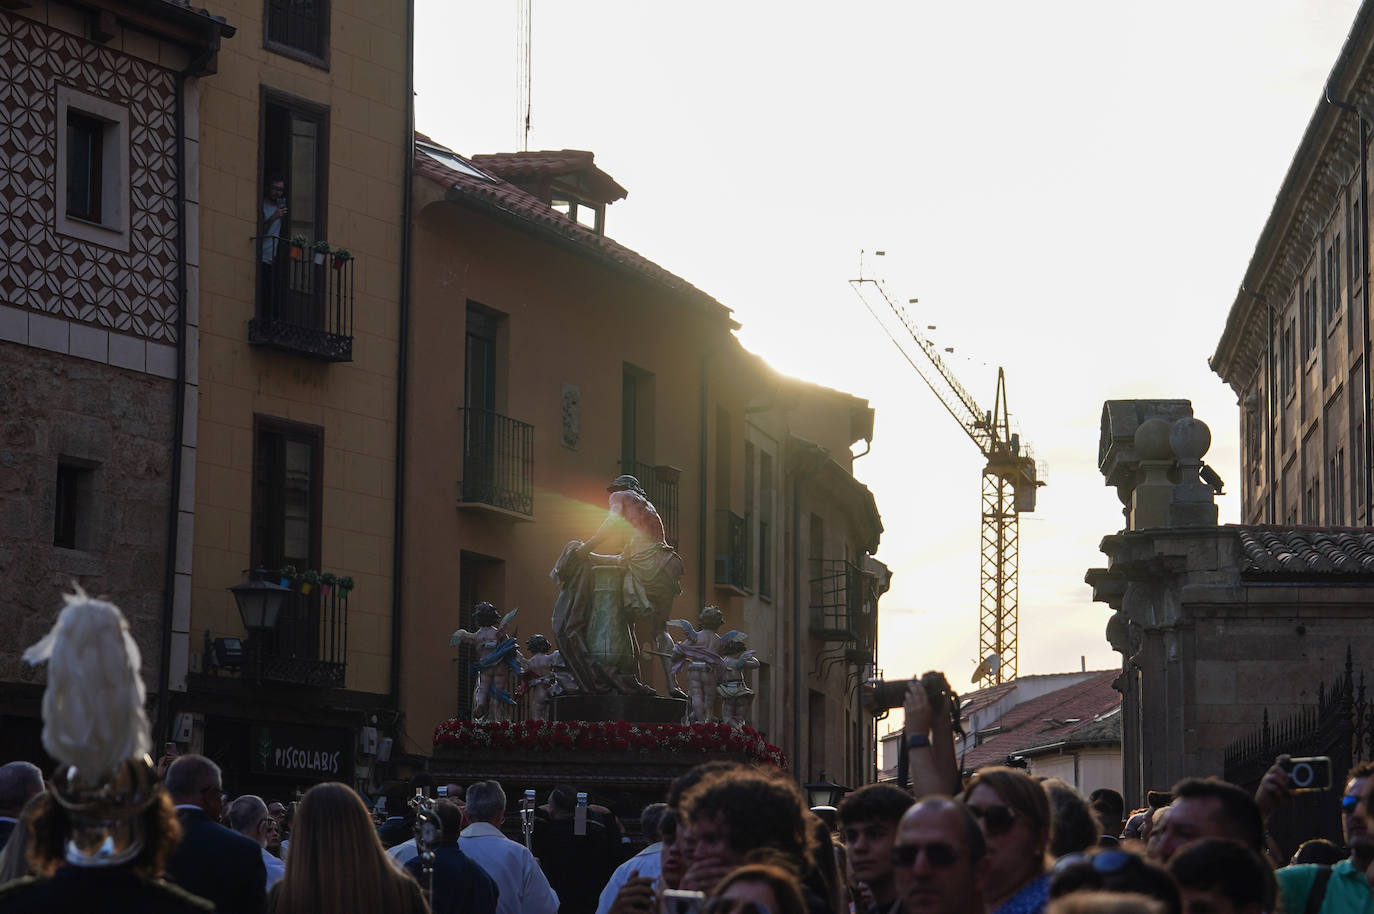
x=1071, y=189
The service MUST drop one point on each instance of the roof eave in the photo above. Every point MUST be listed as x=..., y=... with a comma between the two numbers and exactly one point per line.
x=1325, y=120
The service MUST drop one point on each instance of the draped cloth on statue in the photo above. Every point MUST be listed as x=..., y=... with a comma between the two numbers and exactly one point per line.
x=592, y=615
x=507, y=653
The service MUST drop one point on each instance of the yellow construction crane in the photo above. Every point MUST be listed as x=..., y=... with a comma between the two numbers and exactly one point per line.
x=1009, y=485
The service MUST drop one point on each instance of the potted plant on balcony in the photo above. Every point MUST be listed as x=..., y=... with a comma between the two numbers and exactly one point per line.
x=321, y=249
x=327, y=582
x=288, y=576
x=309, y=580
x=298, y=243
x=341, y=257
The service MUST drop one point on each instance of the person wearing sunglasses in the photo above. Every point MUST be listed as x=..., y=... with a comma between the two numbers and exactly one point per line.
x=1014, y=813
x=940, y=859
x=1343, y=886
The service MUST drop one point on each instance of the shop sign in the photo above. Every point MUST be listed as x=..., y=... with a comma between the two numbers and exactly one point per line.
x=300, y=751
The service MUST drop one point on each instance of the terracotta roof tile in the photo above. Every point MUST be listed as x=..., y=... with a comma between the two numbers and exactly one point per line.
x=1272, y=550
x=1075, y=713
x=513, y=204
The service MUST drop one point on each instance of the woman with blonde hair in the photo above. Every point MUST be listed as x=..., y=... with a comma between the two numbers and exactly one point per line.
x=337, y=863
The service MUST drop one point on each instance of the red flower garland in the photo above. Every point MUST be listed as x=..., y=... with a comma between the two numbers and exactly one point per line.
x=611, y=735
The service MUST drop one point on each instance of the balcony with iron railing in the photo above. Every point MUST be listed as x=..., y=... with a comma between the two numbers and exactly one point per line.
x=732, y=551
x=305, y=299
x=497, y=469
x=836, y=600
x=303, y=640
x=660, y=483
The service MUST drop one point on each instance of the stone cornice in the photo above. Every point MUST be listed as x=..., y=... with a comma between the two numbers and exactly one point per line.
x=1326, y=160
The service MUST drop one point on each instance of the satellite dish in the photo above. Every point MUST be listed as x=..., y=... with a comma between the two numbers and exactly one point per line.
x=988, y=668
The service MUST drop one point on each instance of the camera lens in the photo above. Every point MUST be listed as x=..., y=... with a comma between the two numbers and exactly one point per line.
x=1301, y=775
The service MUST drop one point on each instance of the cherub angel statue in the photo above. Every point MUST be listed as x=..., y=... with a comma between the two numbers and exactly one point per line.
x=548, y=676
x=735, y=693
x=699, y=654
x=498, y=656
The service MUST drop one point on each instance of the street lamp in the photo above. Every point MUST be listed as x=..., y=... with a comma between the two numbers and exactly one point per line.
x=824, y=792
x=259, y=603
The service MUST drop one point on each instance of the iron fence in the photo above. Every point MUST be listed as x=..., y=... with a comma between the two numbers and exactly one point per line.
x=309, y=645
x=498, y=461
x=1339, y=726
x=305, y=300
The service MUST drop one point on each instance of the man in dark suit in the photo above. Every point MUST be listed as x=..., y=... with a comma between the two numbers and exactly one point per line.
x=211, y=861
x=19, y=783
x=459, y=886
x=577, y=865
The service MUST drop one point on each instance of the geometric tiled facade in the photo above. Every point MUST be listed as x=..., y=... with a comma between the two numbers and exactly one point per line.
x=131, y=292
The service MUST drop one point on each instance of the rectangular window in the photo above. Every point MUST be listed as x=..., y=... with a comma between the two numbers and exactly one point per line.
x=85, y=164
x=299, y=29
x=1354, y=232
x=636, y=420
x=1357, y=474
x=1289, y=373
x=287, y=491
x=1312, y=329
x=93, y=169
x=765, y=524
x=815, y=726
x=295, y=160
x=1338, y=484
x=72, y=505
x=750, y=511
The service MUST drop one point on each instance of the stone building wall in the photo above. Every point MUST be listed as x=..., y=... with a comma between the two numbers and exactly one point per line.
x=116, y=426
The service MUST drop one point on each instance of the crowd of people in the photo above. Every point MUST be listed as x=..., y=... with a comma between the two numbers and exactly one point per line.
x=726, y=838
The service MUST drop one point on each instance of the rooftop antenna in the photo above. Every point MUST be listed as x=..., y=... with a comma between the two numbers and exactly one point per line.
x=524, y=95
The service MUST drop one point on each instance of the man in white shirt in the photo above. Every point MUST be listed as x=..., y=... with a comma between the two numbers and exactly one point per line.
x=648, y=863
x=524, y=889
x=248, y=816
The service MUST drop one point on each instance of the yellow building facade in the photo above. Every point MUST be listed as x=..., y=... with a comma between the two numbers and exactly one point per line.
x=295, y=401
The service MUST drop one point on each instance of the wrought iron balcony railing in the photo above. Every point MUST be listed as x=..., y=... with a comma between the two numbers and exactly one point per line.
x=310, y=643
x=305, y=299
x=732, y=550
x=305, y=643
x=837, y=600
x=660, y=484
x=498, y=462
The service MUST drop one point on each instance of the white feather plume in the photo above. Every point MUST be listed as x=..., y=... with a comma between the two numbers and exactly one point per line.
x=93, y=708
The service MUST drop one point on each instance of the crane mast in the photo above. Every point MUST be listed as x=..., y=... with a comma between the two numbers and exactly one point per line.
x=1009, y=483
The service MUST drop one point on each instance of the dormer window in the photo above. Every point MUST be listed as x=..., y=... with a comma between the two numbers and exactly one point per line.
x=588, y=215
x=567, y=180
